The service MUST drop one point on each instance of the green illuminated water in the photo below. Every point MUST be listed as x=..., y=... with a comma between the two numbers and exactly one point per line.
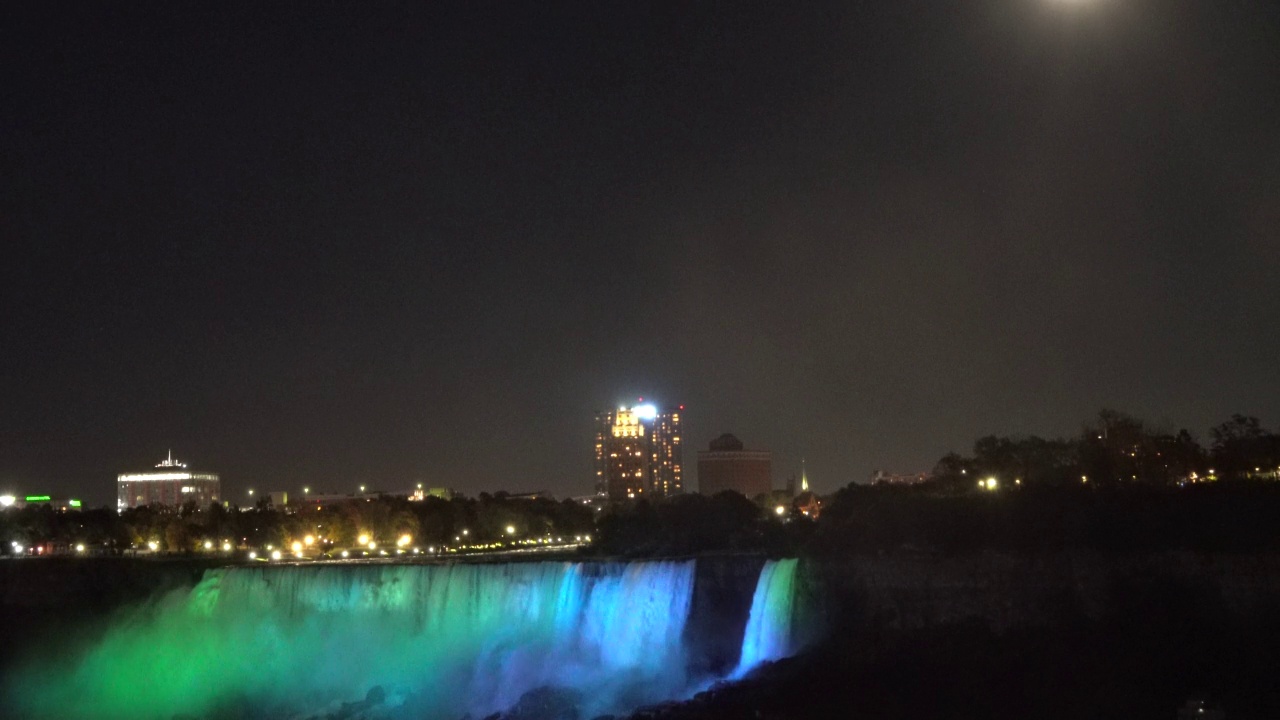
x=769, y=628
x=441, y=641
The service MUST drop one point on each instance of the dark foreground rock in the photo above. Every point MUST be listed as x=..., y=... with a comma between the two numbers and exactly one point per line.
x=546, y=703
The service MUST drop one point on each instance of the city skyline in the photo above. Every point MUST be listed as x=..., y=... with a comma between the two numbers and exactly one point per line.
x=385, y=241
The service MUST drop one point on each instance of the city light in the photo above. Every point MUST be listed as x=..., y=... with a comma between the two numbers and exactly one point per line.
x=780, y=510
x=253, y=555
x=79, y=548
x=373, y=545
x=275, y=555
x=511, y=530
x=404, y=541
x=208, y=544
x=309, y=540
x=345, y=553
x=17, y=548
x=226, y=546
x=363, y=539
x=296, y=546
x=153, y=545
x=7, y=500
x=645, y=412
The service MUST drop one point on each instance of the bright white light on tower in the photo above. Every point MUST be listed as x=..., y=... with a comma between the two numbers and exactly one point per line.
x=645, y=412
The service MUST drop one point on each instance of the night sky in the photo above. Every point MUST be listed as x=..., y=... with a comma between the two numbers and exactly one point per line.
x=333, y=243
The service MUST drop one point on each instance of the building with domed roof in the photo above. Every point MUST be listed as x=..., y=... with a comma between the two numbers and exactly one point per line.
x=728, y=465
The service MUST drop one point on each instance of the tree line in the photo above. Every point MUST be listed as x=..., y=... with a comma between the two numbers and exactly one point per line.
x=383, y=521
x=1118, y=448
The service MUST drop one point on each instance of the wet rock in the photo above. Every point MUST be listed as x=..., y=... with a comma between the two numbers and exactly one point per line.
x=546, y=703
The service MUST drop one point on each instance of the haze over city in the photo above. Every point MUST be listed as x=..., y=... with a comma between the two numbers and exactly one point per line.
x=329, y=244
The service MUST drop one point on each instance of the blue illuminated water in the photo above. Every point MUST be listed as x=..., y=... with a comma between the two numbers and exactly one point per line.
x=440, y=640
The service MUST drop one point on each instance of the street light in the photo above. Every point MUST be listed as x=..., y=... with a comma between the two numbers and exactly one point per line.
x=511, y=530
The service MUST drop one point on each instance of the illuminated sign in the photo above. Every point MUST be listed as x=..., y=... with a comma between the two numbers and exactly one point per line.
x=74, y=503
x=37, y=498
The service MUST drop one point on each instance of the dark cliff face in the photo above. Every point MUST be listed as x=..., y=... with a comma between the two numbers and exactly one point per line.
x=722, y=591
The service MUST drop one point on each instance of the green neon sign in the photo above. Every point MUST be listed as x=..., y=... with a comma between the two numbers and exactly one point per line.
x=74, y=503
x=37, y=498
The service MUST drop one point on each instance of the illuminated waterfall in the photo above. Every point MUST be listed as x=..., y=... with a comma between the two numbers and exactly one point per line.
x=769, y=628
x=441, y=641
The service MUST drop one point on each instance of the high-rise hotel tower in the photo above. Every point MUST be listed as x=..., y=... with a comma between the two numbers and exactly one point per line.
x=638, y=452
